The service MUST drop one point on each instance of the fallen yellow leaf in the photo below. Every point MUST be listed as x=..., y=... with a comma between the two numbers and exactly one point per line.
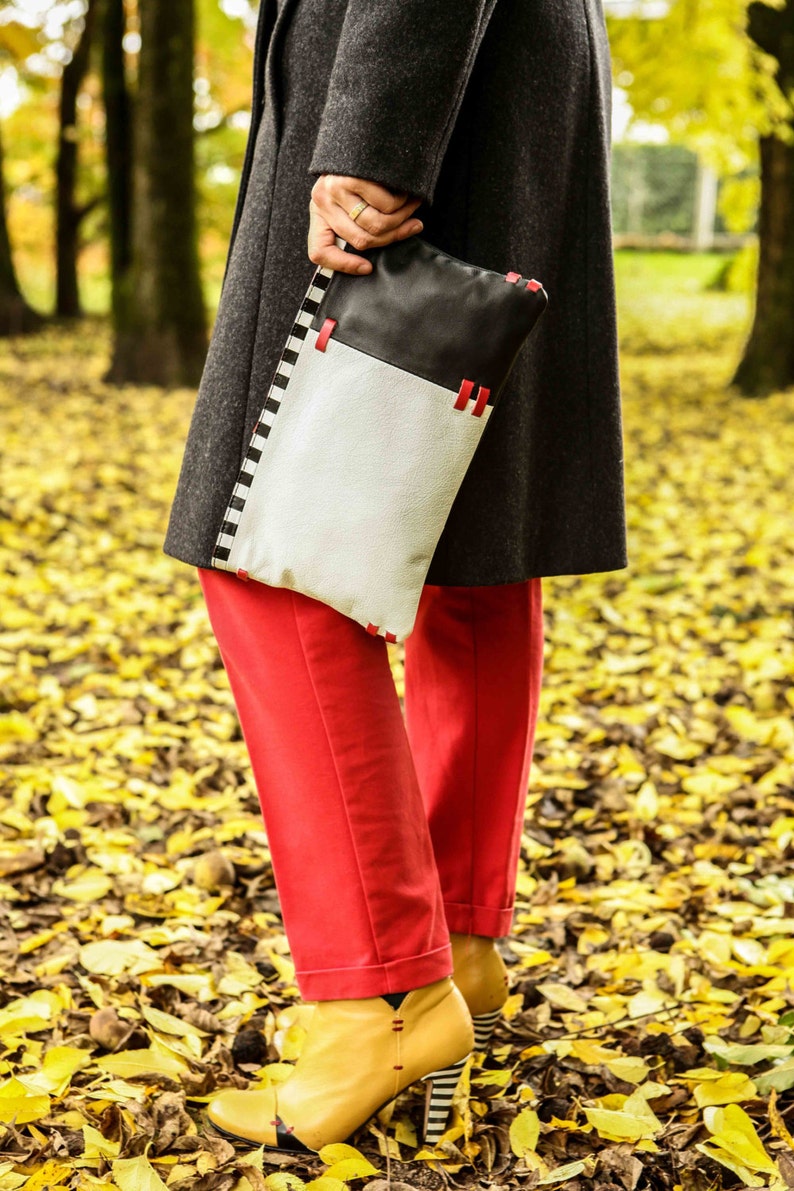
x=136, y=1174
x=730, y=1088
x=733, y=1132
x=524, y=1132
x=18, y=1104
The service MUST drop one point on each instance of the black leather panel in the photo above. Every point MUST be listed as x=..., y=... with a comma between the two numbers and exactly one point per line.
x=433, y=315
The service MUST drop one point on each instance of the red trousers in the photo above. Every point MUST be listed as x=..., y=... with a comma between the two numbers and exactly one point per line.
x=385, y=833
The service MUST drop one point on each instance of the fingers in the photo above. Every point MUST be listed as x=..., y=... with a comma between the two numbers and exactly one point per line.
x=359, y=237
x=333, y=196
x=372, y=192
x=381, y=201
x=373, y=221
x=324, y=251
x=384, y=212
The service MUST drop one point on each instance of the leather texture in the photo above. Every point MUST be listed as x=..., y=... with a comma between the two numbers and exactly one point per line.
x=479, y=973
x=353, y=484
x=358, y=1055
x=433, y=315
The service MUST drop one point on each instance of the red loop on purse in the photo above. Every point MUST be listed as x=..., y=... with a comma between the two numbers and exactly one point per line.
x=464, y=393
x=533, y=284
x=481, y=402
x=372, y=628
x=514, y=277
x=325, y=334
x=241, y=574
x=391, y=637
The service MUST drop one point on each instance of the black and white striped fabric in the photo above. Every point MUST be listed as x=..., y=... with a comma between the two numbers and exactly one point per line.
x=441, y=1093
x=380, y=399
x=289, y=358
x=484, y=1026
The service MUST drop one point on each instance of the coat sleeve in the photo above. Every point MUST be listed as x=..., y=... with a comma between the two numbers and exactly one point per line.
x=396, y=87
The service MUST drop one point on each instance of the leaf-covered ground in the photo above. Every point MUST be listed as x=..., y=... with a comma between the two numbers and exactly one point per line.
x=649, y=1038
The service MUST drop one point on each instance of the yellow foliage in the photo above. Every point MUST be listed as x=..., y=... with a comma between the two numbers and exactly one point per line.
x=136, y=1174
x=736, y=1144
x=654, y=891
x=346, y=1162
x=524, y=1133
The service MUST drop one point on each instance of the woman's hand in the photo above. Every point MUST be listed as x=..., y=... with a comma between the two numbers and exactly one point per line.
x=386, y=218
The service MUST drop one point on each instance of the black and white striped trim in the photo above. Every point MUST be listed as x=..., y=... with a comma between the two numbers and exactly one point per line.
x=484, y=1026
x=441, y=1092
x=278, y=388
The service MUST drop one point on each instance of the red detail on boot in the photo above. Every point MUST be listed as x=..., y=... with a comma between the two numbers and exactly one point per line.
x=398, y=1066
x=533, y=285
x=464, y=393
x=391, y=637
x=372, y=628
x=325, y=334
x=256, y=427
x=481, y=402
x=241, y=574
x=514, y=277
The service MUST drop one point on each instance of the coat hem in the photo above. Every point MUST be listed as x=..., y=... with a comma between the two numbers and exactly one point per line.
x=600, y=567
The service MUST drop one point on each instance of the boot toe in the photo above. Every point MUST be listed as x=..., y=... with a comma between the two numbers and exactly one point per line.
x=248, y=1115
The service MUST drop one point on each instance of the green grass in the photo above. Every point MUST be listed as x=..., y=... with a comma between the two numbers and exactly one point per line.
x=665, y=304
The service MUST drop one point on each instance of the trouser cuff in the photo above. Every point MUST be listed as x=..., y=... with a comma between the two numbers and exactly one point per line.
x=400, y=975
x=478, y=920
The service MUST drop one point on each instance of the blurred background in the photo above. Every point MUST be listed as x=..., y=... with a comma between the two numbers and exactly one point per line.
x=703, y=167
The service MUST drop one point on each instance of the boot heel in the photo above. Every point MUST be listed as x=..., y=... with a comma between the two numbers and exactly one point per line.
x=484, y=1026
x=441, y=1086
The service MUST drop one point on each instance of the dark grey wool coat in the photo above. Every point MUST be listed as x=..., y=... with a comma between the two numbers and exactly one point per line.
x=496, y=113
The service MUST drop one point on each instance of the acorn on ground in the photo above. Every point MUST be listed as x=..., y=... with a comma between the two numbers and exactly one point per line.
x=213, y=870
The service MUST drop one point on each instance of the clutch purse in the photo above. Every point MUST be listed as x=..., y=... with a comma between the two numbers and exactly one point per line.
x=381, y=397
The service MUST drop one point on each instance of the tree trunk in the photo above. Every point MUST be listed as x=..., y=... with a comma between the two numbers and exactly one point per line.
x=768, y=360
x=15, y=314
x=118, y=148
x=160, y=329
x=68, y=215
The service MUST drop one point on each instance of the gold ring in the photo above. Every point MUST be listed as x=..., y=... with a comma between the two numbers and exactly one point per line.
x=356, y=211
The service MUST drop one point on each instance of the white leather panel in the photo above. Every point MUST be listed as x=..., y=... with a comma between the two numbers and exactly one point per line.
x=355, y=483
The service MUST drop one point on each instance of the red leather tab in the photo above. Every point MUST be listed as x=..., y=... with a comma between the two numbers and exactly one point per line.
x=241, y=574
x=481, y=402
x=325, y=334
x=464, y=393
x=373, y=629
x=391, y=637
x=533, y=284
x=514, y=277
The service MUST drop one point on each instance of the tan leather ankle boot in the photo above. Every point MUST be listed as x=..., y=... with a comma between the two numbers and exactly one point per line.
x=358, y=1056
x=481, y=976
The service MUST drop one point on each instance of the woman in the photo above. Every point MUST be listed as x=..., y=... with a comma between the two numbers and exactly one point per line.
x=484, y=124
